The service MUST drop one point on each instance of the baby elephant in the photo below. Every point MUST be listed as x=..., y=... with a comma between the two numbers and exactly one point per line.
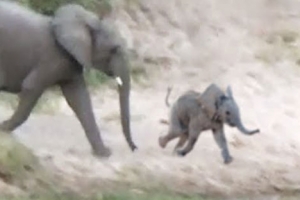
x=194, y=112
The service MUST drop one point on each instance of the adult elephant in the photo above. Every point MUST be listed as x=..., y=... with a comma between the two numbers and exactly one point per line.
x=38, y=51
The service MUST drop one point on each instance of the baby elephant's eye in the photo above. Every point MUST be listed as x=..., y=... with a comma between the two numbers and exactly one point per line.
x=227, y=113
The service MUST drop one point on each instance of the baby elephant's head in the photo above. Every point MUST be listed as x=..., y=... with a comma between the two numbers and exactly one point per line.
x=221, y=107
x=229, y=113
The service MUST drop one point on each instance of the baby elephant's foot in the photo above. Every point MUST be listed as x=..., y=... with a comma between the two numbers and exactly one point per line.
x=162, y=142
x=181, y=152
x=228, y=160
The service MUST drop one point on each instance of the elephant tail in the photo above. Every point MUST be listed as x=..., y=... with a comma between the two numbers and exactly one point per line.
x=169, y=90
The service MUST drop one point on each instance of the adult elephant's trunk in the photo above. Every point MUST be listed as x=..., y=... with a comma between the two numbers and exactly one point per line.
x=124, y=98
x=122, y=75
x=241, y=128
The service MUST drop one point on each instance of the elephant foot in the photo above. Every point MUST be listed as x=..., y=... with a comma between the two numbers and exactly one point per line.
x=228, y=160
x=180, y=152
x=4, y=127
x=133, y=147
x=103, y=153
x=162, y=142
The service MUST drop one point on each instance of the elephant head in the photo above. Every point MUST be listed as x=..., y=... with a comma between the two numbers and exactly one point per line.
x=94, y=43
x=223, y=108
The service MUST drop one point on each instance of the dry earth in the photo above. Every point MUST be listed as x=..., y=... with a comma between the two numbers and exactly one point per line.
x=254, y=46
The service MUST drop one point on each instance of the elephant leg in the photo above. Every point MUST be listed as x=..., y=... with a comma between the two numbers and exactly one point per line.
x=220, y=139
x=28, y=97
x=78, y=98
x=183, y=138
x=27, y=101
x=193, y=134
x=164, y=140
x=175, y=130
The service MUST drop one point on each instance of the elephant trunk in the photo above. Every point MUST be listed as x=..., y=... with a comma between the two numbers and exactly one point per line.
x=122, y=75
x=124, y=93
x=241, y=128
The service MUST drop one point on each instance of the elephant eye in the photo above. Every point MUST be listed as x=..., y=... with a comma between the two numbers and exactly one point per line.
x=227, y=113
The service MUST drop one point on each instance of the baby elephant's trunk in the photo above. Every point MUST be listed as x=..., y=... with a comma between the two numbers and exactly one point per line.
x=241, y=128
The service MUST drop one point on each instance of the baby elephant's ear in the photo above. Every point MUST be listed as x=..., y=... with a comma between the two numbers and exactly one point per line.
x=229, y=92
x=209, y=98
x=72, y=26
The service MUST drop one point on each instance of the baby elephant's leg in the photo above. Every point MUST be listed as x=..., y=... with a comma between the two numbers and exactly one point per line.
x=193, y=134
x=175, y=130
x=172, y=134
x=189, y=147
x=183, y=138
x=220, y=139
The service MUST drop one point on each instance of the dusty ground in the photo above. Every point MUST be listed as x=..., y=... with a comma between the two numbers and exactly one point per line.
x=254, y=47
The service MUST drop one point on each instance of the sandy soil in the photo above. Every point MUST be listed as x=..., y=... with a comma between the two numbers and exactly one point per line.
x=254, y=47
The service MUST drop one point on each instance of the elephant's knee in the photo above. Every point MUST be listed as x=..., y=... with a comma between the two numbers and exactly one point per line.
x=28, y=89
x=192, y=140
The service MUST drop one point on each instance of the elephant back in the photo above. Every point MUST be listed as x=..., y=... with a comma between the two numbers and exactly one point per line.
x=208, y=100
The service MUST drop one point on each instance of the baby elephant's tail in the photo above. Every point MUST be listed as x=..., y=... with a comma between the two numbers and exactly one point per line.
x=167, y=96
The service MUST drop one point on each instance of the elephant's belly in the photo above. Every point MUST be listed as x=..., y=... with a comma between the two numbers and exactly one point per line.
x=21, y=39
x=11, y=87
x=12, y=75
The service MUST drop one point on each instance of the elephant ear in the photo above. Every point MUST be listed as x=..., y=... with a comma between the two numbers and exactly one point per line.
x=229, y=92
x=72, y=26
x=210, y=99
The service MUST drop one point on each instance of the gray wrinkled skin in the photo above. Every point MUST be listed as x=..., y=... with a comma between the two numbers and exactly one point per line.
x=37, y=52
x=194, y=113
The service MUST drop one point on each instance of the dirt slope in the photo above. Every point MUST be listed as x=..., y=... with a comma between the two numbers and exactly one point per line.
x=252, y=46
